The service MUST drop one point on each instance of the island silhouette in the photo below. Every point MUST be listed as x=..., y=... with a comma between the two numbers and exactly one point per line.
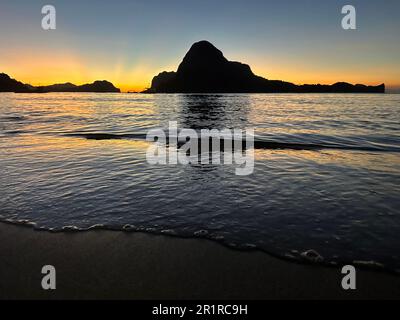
x=204, y=69
x=8, y=84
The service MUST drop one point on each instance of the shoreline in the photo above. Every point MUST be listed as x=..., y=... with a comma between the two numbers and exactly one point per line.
x=301, y=259
x=107, y=264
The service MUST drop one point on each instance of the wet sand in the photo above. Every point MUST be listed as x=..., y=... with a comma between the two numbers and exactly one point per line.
x=104, y=264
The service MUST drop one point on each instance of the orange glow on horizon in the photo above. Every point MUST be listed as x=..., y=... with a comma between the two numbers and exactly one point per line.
x=139, y=84
x=60, y=67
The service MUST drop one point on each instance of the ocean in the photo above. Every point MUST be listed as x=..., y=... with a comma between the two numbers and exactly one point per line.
x=77, y=161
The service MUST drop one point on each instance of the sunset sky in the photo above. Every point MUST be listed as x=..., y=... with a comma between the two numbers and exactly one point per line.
x=128, y=42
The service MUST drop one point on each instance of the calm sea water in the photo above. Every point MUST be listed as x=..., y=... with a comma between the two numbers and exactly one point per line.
x=343, y=202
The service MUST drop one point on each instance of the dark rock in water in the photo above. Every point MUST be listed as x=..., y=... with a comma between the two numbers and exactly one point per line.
x=204, y=69
x=10, y=85
x=312, y=256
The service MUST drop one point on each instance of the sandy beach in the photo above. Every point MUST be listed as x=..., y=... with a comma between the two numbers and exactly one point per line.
x=104, y=264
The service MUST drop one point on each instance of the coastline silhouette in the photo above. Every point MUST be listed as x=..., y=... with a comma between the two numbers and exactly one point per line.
x=8, y=84
x=204, y=69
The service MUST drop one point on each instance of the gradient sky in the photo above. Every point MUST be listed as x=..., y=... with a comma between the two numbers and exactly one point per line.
x=128, y=42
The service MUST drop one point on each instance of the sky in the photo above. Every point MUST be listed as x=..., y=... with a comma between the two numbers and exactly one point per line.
x=128, y=42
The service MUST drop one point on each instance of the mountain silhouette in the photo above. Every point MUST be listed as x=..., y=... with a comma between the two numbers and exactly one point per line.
x=97, y=86
x=204, y=69
x=11, y=85
x=8, y=84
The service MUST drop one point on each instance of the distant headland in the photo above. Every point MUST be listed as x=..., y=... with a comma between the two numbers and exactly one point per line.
x=204, y=69
x=8, y=84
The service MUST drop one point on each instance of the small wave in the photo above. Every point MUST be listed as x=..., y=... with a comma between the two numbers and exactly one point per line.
x=12, y=118
x=259, y=142
x=107, y=136
x=15, y=132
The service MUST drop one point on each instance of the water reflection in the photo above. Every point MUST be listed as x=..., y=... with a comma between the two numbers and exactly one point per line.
x=213, y=111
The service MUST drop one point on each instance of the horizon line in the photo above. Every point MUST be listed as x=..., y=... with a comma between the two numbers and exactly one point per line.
x=125, y=88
